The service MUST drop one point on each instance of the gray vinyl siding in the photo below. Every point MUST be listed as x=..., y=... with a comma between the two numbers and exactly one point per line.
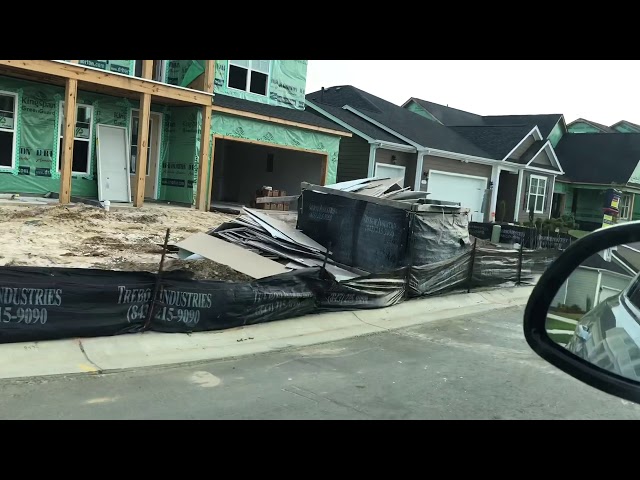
x=353, y=158
x=582, y=285
x=405, y=159
x=523, y=214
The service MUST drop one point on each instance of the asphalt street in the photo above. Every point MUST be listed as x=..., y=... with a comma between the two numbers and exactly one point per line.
x=470, y=367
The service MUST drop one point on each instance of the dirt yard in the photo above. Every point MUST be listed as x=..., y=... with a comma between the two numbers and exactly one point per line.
x=81, y=236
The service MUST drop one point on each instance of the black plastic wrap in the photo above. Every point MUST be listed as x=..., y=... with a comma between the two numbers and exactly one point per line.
x=439, y=277
x=438, y=236
x=371, y=291
x=51, y=303
x=359, y=233
x=196, y=306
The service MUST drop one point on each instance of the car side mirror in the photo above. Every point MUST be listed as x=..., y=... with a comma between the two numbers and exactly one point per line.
x=583, y=316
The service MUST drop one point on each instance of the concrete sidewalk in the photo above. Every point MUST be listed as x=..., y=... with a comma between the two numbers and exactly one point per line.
x=107, y=354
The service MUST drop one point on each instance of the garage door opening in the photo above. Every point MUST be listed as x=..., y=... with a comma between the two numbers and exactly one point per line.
x=240, y=169
x=469, y=190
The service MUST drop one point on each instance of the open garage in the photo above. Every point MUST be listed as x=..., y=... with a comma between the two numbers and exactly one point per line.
x=242, y=167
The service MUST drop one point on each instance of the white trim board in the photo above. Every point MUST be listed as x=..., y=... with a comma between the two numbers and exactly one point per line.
x=535, y=130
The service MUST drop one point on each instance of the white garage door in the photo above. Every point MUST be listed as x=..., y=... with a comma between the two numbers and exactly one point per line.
x=467, y=190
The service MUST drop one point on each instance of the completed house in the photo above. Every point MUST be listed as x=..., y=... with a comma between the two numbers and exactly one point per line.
x=593, y=163
x=500, y=167
x=258, y=131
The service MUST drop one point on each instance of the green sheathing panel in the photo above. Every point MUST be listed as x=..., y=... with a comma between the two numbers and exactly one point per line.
x=37, y=130
x=556, y=134
x=415, y=108
x=589, y=204
x=125, y=67
x=581, y=127
x=561, y=187
x=636, y=208
x=38, y=142
x=280, y=135
x=625, y=128
x=178, y=161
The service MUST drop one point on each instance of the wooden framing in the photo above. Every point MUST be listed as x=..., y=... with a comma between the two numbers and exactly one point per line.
x=159, y=91
x=143, y=138
x=265, y=118
x=70, y=95
x=204, y=178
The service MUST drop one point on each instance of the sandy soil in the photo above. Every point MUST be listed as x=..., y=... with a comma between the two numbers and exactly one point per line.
x=81, y=236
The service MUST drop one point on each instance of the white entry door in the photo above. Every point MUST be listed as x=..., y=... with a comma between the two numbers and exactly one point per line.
x=453, y=187
x=113, y=163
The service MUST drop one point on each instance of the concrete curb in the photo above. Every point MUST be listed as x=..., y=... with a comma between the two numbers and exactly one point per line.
x=105, y=354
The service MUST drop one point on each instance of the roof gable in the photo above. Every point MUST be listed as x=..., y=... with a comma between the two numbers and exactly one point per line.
x=415, y=127
x=575, y=126
x=498, y=141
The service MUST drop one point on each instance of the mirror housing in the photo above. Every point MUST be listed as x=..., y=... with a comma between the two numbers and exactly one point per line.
x=542, y=296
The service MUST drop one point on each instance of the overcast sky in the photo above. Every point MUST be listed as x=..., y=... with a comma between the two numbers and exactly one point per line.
x=604, y=91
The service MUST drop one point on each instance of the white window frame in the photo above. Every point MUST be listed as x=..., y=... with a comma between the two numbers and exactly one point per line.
x=12, y=130
x=627, y=206
x=90, y=139
x=163, y=71
x=536, y=194
x=247, y=88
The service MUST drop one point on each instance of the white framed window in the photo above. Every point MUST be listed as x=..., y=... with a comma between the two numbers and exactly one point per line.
x=625, y=206
x=157, y=73
x=8, y=108
x=537, y=190
x=81, y=141
x=249, y=75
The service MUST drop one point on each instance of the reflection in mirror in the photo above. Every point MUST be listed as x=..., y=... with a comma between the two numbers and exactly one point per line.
x=596, y=312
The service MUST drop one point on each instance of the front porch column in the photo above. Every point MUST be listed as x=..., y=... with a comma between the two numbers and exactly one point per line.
x=495, y=181
x=518, y=199
x=419, y=167
x=373, y=148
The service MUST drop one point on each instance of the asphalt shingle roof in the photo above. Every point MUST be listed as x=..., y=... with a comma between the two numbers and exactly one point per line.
x=283, y=113
x=497, y=141
x=600, y=158
x=452, y=116
x=545, y=122
x=596, y=261
x=448, y=115
x=406, y=123
x=358, y=123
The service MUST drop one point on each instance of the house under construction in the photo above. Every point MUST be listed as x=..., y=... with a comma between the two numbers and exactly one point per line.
x=180, y=131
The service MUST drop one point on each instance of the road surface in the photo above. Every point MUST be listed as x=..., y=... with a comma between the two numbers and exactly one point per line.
x=471, y=367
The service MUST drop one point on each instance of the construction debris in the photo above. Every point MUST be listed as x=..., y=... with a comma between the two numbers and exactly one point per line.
x=241, y=260
x=350, y=228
